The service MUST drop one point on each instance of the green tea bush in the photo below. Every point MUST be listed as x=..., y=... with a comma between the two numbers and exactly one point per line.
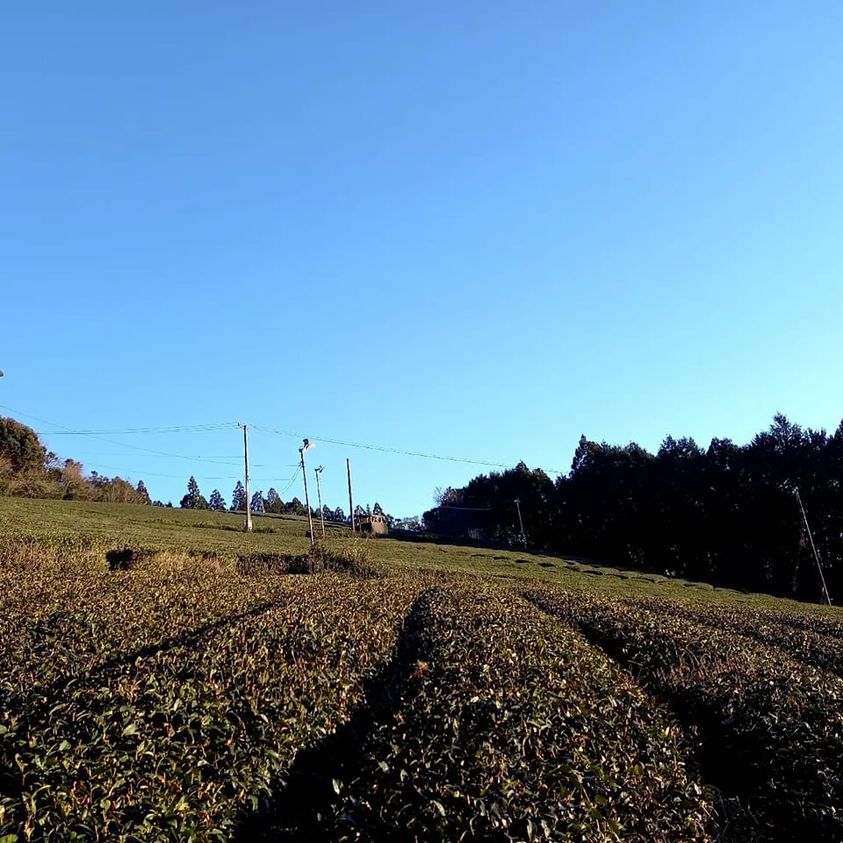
x=513, y=728
x=344, y=556
x=771, y=727
x=154, y=708
x=811, y=640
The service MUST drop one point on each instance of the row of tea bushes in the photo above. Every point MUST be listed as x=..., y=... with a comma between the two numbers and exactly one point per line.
x=771, y=727
x=56, y=625
x=179, y=742
x=809, y=640
x=512, y=727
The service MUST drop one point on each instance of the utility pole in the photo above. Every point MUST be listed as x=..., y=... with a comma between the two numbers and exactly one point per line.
x=248, y=523
x=350, y=497
x=318, y=471
x=306, y=447
x=813, y=546
x=521, y=523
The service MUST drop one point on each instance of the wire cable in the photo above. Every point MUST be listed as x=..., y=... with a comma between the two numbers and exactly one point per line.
x=94, y=435
x=389, y=450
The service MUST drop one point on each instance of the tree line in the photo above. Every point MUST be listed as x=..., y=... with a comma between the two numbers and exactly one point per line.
x=269, y=503
x=727, y=514
x=28, y=469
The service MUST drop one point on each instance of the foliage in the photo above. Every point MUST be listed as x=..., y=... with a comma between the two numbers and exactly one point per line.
x=167, y=708
x=238, y=498
x=273, y=502
x=771, y=726
x=143, y=494
x=216, y=502
x=182, y=699
x=193, y=499
x=512, y=728
x=21, y=446
x=351, y=556
x=295, y=507
x=28, y=470
x=725, y=514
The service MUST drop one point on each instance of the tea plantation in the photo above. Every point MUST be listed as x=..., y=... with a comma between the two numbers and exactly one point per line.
x=166, y=677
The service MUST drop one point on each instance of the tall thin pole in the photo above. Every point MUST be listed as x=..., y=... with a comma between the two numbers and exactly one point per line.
x=248, y=524
x=306, y=495
x=521, y=523
x=813, y=546
x=318, y=471
x=350, y=496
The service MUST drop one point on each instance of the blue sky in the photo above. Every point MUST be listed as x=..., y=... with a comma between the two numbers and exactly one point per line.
x=472, y=229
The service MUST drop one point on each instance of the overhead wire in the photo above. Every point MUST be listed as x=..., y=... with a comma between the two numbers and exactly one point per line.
x=176, y=428
x=390, y=450
x=99, y=434
x=95, y=435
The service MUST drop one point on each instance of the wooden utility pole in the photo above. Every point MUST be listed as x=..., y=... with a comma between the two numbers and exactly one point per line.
x=350, y=496
x=248, y=523
x=318, y=471
x=521, y=523
x=813, y=546
x=307, y=445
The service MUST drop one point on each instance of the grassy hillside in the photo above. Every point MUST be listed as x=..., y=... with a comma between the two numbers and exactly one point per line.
x=405, y=691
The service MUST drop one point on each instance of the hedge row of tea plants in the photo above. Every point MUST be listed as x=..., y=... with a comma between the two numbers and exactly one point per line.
x=57, y=624
x=179, y=741
x=808, y=641
x=512, y=727
x=771, y=727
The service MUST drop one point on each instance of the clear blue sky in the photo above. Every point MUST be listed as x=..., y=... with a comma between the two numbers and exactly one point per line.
x=475, y=228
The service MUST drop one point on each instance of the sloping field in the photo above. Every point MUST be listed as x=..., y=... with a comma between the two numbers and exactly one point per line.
x=165, y=678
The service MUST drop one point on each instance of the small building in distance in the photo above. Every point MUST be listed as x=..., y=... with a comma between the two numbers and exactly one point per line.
x=374, y=524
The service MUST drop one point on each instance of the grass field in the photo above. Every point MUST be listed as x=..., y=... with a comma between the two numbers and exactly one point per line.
x=193, y=689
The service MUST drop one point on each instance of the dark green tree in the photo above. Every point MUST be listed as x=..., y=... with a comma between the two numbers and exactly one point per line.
x=295, y=507
x=273, y=502
x=193, y=499
x=257, y=502
x=238, y=498
x=143, y=493
x=217, y=502
x=21, y=446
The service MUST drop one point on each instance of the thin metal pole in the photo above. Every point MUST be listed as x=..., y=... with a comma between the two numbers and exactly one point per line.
x=813, y=546
x=248, y=525
x=350, y=497
x=521, y=523
x=318, y=471
x=307, y=499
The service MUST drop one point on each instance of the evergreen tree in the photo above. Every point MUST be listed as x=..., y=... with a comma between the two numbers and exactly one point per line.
x=257, y=502
x=294, y=507
x=217, y=502
x=273, y=502
x=143, y=493
x=192, y=499
x=238, y=498
x=377, y=509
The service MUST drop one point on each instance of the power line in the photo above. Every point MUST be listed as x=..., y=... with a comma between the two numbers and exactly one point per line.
x=177, y=428
x=203, y=477
x=290, y=484
x=399, y=451
x=94, y=435
x=386, y=449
